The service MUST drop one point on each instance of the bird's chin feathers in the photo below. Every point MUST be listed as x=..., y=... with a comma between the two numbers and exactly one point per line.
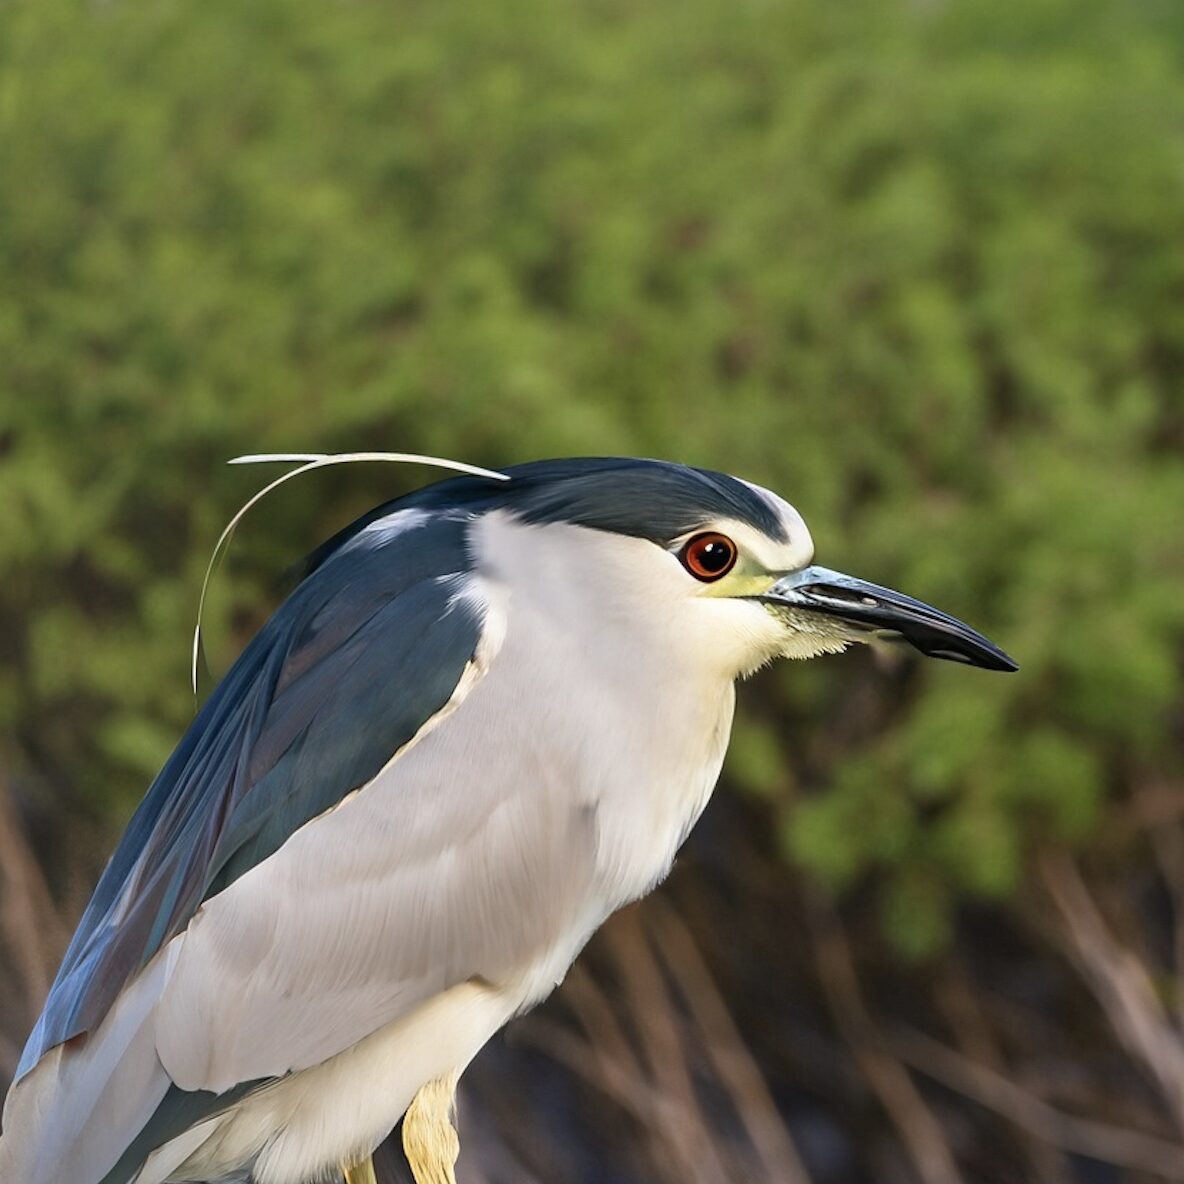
x=811, y=645
x=807, y=635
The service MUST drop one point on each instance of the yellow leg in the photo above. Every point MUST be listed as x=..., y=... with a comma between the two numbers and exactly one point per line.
x=360, y=1173
x=430, y=1141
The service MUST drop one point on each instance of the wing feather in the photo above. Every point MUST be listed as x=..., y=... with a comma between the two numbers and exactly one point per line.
x=365, y=915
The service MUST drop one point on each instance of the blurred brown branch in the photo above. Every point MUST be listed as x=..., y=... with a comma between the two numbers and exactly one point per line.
x=30, y=929
x=642, y=1046
x=1165, y=832
x=726, y=1049
x=1118, y=979
x=1112, y=1144
x=920, y=1131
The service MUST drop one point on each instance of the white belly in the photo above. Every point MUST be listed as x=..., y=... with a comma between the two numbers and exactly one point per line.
x=338, y=1111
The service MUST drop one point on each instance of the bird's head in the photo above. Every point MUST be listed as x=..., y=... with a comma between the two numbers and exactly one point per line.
x=714, y=563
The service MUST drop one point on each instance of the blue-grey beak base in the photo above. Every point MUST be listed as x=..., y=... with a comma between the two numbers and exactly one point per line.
x=873, y=609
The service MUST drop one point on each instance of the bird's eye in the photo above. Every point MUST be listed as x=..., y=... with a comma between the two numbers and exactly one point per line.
x=708, y=556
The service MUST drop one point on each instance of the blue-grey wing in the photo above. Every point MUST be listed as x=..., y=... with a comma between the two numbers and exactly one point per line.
x=366, y=650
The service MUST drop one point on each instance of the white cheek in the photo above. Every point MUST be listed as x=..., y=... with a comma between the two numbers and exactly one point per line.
x=735, y=637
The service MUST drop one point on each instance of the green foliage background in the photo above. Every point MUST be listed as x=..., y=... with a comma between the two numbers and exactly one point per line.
x=919, y=267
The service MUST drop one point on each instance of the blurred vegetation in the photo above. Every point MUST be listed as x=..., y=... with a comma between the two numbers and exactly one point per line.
x=917, y=266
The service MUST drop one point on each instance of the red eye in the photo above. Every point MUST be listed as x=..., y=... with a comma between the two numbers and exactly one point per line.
x=708, y=556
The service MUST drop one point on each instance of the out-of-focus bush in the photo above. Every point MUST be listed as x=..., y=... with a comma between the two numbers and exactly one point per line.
x=920, y=267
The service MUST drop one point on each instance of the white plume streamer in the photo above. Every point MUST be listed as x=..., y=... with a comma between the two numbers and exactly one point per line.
x=306, y=462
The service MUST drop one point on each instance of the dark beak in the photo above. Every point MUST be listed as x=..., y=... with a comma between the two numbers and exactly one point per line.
x=878, y=610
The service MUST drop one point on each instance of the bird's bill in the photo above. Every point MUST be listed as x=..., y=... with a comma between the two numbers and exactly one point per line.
x=881, y=611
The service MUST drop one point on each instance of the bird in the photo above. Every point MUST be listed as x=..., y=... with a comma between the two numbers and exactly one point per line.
x=485, y=718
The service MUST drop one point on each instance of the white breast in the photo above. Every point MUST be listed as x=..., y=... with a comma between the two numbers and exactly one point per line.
x=625, y=717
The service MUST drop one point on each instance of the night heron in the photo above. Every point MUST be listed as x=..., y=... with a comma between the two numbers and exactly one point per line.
x=486, y=718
